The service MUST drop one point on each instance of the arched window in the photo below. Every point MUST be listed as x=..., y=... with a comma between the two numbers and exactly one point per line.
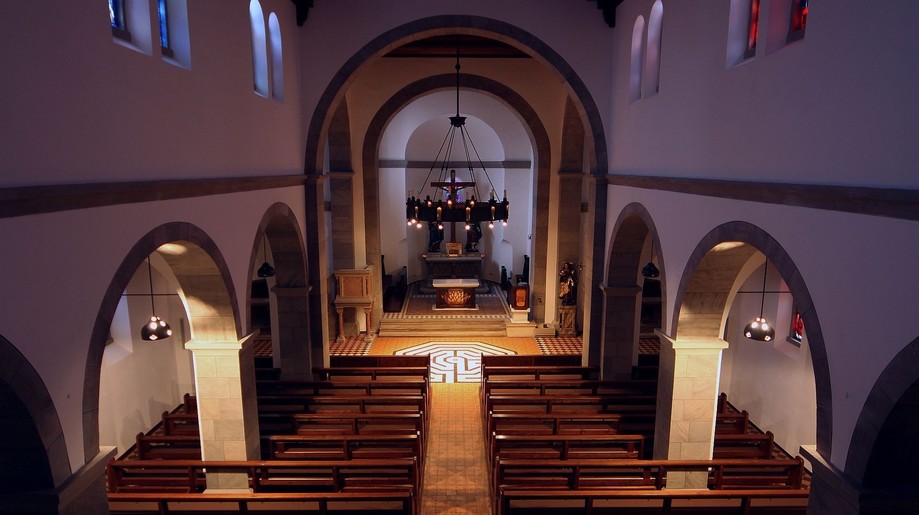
x=653, y=59
x=259, y=48
x=277, y=58
x=743, y=30
x=635, y=62
x=798, y=20
x=752, y=29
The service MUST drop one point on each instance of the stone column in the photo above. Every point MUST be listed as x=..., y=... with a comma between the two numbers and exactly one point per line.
x=227, y=409
x=619, y=331
x=293, y=332
x=687, y=397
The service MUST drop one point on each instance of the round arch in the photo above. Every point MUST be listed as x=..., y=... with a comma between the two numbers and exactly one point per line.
x=477, y=25
x=531, y=122
x=206, y=260
x=279, y=226
x=623, y=293
x=898, y=378
x=758, y=239
x=26, y=403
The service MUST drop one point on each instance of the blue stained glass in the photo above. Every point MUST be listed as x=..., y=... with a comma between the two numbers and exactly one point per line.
x=164, y=23
x=116, y=14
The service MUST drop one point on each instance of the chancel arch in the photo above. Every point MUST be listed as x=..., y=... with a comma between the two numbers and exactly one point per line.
x=541, y=167
x=584, y=104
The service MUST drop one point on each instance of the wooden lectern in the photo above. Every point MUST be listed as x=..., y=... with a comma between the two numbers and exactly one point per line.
x=354, y=289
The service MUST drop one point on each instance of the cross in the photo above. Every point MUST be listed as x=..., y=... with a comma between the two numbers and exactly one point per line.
x=452, y=188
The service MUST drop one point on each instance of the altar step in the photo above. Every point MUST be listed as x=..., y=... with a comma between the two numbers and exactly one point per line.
x=441, y=327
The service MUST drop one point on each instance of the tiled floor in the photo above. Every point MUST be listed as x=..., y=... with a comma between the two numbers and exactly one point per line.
x=455, y=476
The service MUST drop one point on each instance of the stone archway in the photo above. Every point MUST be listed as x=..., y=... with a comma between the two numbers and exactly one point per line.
x=205, y=279
x=335, y=91
x=531, y=122
x=622, y=292
x=35, y=451
x=700, y=304
x=882, y=452
x=297, y=352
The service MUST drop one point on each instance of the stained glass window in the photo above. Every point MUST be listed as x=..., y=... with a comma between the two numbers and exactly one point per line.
x=797, y=327
x=798, y=19
x=116, y=13
x=163, y=17
x=752, y=29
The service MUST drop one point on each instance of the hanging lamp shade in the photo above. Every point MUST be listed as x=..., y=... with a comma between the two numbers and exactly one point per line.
x=266, y=270
x=650, y=271
x=759, y=330
x=156, y=328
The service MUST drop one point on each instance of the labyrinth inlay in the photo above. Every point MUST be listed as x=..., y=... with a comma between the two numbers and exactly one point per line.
x=455, y=362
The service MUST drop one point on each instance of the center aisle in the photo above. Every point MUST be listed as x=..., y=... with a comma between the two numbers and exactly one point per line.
x=455, y=475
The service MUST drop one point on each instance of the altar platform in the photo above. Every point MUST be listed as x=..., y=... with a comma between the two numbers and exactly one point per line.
x=419, y=317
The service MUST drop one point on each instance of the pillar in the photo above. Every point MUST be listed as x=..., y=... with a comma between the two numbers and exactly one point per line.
x=619, y=331
x=293, y=332
x=227, y=409
x=687, y=397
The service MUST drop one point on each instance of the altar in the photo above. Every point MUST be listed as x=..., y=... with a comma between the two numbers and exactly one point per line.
x=443, y=266
x=455, y=293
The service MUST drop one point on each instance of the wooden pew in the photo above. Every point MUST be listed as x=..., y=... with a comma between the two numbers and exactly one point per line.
x=359, y=424
x=345, y=447
x=527, y=360
x=373, y=373
x=501, y=386
x=345, y=403
x=733, y=423
x=168, y=447
x=416, y=386
x=553, y=424
x=653, y=502
x=187, y=476
x=538, y=372
x=645, y=474
x=566, y=447
x=178, y=423
x=391, y=502
x=744, y=446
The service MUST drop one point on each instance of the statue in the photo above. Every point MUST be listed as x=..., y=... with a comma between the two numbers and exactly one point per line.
x=435, y=236
x=568, y=284
x=473, y=235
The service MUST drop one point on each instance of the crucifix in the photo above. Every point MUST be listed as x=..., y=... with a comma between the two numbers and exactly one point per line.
x=452, y=187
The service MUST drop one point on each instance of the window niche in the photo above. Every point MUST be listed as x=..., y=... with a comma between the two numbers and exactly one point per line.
x=131, y=24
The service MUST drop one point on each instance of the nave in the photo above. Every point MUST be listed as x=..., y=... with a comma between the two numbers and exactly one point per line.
x=535, y=433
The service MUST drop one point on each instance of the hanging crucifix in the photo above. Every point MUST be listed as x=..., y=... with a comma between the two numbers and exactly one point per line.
x=452, y=187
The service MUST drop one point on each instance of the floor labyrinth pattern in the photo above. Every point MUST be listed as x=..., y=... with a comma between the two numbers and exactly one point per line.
x=455, y=362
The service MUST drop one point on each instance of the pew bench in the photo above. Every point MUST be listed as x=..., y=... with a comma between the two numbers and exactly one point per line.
x=393, y=502
x=744, y=446
x=168, y=447
x=344, y=447
x=651, y=502
x=188, y=476
x=566, y=447
x=538, y=372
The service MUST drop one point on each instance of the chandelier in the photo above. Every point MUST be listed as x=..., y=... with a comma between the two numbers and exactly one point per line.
x=449, y=200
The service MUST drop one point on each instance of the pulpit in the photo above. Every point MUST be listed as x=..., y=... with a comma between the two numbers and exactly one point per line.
x=354, y=289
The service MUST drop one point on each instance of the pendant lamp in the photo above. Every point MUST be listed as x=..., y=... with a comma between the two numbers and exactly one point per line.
x=156, y=328
x=759, y=329
x=266, y=270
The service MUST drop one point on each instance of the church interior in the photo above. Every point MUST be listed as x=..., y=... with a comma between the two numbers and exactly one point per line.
x=480, y=257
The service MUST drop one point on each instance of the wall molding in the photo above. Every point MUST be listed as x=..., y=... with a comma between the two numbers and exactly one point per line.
x=885, y=202
x=31, y=200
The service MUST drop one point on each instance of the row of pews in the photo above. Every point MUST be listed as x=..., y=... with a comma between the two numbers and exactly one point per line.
x=560, y=441
x=352, y=441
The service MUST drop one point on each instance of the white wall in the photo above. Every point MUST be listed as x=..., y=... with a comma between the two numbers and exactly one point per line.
x=140, y=379
x=844, y=259
x=763, y=377
x=77, y=107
